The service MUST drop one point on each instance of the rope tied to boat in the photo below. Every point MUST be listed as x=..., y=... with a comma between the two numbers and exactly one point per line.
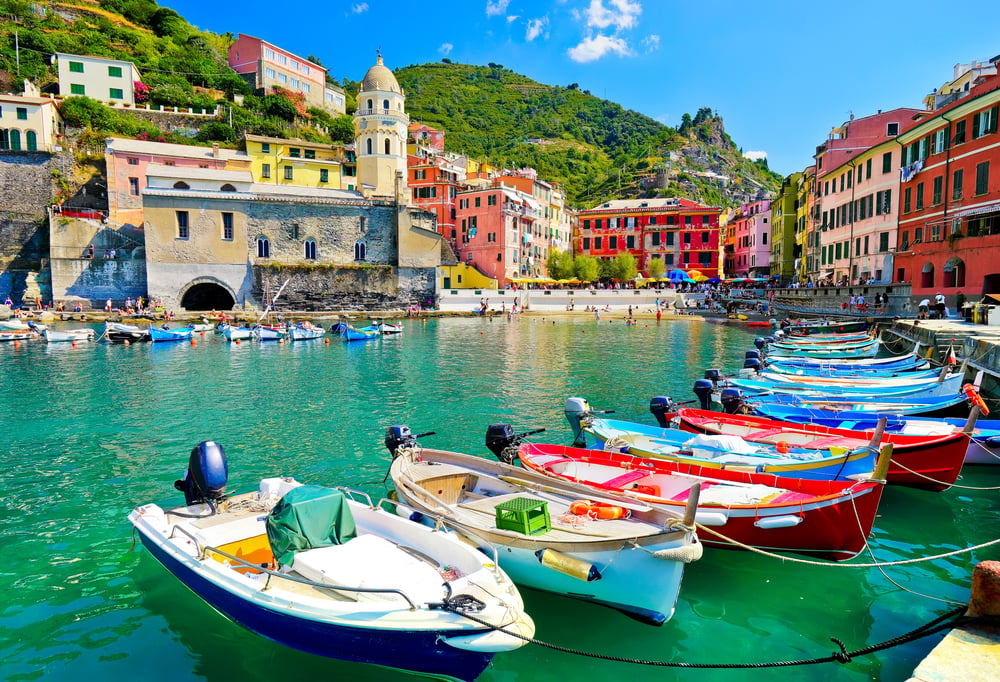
x=944, y=483
x=946, y=621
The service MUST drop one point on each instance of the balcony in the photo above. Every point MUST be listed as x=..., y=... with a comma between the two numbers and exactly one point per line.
x=383, y=112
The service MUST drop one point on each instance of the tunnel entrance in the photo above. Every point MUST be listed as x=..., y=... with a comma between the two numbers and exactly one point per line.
x=207, y=296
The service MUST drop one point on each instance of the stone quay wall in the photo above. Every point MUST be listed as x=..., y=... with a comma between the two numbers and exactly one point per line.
x=832, y=300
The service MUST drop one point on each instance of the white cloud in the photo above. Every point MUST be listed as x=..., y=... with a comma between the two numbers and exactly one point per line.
x=622, y=14
x=359, y=8
x=592, y=48
x=754, y=156
x=495, y=8
x=536, y=27
x=446, y=49
x=651, y=43
x=511, y=18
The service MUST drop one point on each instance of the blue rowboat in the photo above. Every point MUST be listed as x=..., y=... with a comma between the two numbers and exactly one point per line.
x=901, y=362
x=845, y=370
x=840, y=460
x=808, y=328
x=372, y=587
x=161, y=334
x=867, y=349
x=857, y=388
x=777, y=405
x=351, y=334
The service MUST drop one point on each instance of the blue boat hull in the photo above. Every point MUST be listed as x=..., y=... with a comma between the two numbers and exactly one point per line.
x=415, y=651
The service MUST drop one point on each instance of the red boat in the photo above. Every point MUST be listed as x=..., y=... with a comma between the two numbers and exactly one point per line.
x=830, y=519
x=928, y=462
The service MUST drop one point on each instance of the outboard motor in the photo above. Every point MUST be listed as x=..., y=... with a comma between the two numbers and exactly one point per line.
x=398, y=436
x=576, y=410
x=207, y=474
x=759, y=342
x=752, y=354
x=770, y=339
x=703, y=389
x=779, y=333
x=503, y=442
x=731, y=398
x=660, y=406
x=713, y=375
x=752, y=363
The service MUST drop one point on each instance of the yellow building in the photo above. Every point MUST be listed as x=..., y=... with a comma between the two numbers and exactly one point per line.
x=464, y=276
x=804, y=221
x=29, y=124
x=299, y=163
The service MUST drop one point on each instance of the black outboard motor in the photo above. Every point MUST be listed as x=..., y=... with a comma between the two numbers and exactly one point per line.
x=751, y=354
x=398, y=436
x=660, y=406
x=770, y=339
x=503, y=442
x=731, y=399
x=207, y=474
x=703, y=389
x=752, y=363
x=759, y=342
x=713, y=375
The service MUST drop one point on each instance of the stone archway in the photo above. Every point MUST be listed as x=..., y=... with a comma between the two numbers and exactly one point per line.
x=206, y=293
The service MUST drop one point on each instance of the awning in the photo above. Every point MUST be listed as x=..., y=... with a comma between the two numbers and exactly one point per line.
x=531, y=202
x=513, y=196
x=828, y=273
x=978, y=210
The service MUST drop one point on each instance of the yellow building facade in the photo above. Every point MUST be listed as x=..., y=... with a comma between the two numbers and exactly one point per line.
x=298, y=163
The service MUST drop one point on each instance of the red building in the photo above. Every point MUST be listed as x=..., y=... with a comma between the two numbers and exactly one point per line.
x=681, y=233
x=433, y=186
x=949, y=203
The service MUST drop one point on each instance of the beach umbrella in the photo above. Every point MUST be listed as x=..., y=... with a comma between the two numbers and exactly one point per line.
x=693, y=273
x=699, y=277
x=713, y=280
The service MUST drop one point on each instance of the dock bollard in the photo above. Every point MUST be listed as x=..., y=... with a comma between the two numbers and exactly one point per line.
x=985, y=597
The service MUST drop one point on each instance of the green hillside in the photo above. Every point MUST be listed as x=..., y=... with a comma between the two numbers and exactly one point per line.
x=595, y=148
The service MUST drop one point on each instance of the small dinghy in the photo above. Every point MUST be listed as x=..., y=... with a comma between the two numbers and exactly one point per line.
x=326, y=571
x=118, y=332
x=69, y=335
x=232, y=333
x=306, y=331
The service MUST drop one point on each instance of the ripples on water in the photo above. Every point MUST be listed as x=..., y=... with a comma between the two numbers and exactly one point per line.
x=95, y=430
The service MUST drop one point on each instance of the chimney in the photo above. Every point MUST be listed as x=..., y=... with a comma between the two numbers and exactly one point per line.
x=215, y=149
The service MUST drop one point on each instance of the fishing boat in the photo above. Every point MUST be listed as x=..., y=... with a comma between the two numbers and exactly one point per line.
x=305, y=331
x=819, y=387
x=231, y=333
x=829, y=519
x=984, y=440
x=821, y=370
x=202, y=327
x=263, y=332
x=835, y=459
x=326, y=571
x=165, y=334
x=818, y=340
x=631, y=561
x=825, y=327
x=119, y=332
x=932, y=462
x=856, y=349
x=16, y=325
x=70, y=335
x=384, y=328
x=349, y=333
x=899, y=362
x=16, y=336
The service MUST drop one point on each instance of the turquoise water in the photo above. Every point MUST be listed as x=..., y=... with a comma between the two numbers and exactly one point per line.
x=92, y=431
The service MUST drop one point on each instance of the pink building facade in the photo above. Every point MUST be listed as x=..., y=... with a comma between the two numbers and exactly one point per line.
x=751, y=231
x=264, y=66
x=127, y=162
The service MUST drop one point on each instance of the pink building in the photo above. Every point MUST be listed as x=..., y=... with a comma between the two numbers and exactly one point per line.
x=751, y=231
x=858, y=189
x=264, y=66
x=127, y=161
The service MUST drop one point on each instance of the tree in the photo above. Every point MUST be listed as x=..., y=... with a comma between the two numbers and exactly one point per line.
x=656, y=268
x=342, y=129
x=280, y=107
x=623, y=267
x=217, y=131
x=445, y=60
x=685, y=124
x=559, y=264
x=586, y=268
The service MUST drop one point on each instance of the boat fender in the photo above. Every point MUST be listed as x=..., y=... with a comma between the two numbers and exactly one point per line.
x=713, y=518
x=569, y=565
x=685, y=554
x=782, y=447
x=992, y=442
x=786, y=521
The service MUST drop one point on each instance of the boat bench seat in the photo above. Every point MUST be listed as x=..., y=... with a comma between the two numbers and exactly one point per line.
x=370, y=561
x=624, y=479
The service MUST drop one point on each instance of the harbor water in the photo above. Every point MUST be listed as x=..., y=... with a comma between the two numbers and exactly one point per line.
x=92, y=431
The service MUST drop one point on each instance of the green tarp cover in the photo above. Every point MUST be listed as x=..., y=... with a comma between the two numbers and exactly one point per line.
x=308, y=517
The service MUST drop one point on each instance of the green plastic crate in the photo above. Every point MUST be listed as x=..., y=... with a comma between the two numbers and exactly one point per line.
x=524, y=515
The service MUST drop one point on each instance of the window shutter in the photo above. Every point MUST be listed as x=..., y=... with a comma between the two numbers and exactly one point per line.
x=993, y=119
x=975, y=125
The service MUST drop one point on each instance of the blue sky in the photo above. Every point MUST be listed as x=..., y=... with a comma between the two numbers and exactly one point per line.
x=781, y=74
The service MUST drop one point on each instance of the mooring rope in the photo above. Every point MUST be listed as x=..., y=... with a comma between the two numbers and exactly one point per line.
x=843, y=656
x=932, y=480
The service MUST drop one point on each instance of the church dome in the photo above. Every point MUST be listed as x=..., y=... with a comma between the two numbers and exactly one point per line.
x=379, y=77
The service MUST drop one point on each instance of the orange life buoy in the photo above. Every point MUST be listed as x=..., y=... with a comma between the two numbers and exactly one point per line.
x=581, y=507
x=973, y=395
x=610, y=511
